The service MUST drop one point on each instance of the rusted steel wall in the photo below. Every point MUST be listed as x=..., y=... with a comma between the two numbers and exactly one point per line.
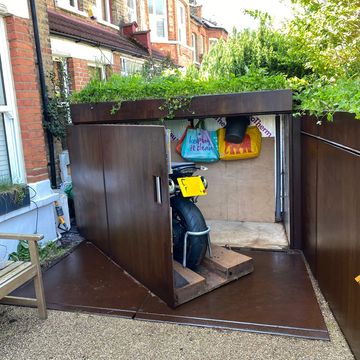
x=330, y=168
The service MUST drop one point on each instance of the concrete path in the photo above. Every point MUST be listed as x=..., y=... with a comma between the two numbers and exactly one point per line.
x=255, y=235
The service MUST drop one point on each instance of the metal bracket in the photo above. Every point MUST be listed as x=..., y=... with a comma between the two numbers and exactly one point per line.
x=196, y=233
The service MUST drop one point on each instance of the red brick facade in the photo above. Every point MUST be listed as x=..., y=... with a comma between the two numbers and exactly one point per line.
x=22, y=54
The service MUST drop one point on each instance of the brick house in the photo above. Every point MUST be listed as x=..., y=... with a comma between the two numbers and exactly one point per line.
x=23, y=156
x=204, y=33
x=178, y=29
x=87, y=37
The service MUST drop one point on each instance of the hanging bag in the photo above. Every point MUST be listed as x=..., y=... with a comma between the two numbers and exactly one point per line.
x=199, y=145
x=249, y=148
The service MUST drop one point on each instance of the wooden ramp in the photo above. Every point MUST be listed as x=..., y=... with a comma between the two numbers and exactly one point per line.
x=223, y=267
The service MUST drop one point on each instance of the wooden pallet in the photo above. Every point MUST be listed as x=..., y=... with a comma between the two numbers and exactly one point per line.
x=223, y=267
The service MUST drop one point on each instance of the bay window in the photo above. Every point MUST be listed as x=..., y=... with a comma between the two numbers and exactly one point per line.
x=158, y=19
x=131, y=7
x=104, y=10
x=181, y=19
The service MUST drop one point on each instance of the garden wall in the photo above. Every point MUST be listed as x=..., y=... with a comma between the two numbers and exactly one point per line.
x=330, y=215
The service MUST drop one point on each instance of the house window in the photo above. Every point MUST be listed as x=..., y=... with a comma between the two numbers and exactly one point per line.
x=97, y=71
x=213, y=42
x=5, y=174
x=131, y=7
x=104, y=10
x=202, y=45
x=11, y=160
x=181, y=23
x=61, y=80
x=68, y=4
x=130, y=66
x=194, y=47
x=158, y=19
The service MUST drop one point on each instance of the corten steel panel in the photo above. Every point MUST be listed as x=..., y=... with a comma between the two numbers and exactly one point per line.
x=139, y=227
x=338, y=240
x=344, y=130
x=257, y=102
x=276, y=298
x=87, y=280
x=309, y=125
x=309, y=198
x=88, y=181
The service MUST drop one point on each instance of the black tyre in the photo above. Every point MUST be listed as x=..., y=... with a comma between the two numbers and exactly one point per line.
x=188, y=217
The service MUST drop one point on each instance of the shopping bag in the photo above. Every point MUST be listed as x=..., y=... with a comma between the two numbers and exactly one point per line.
x=249, y=148
x=200, y=145
x=180, y=142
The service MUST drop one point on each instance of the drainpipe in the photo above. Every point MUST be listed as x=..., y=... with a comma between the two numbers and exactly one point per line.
x=44, y=96
x=278, y=214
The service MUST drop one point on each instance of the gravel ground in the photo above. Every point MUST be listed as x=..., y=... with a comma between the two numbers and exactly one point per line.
x=67, y=335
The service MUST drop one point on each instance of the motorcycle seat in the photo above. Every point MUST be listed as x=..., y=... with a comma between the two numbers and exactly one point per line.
x=182, y=165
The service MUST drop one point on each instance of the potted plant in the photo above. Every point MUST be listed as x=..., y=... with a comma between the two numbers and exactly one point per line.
x=13, y=196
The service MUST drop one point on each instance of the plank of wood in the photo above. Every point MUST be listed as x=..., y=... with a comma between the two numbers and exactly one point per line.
x=27, y=237
x=16, y=281
x=38, y=283
x=195, y=287
x=190, y=276
x=225, y=262
x=9, y=267
x=15, y=300
x=16, y=270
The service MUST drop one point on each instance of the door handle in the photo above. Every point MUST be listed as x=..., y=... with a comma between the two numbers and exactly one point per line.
x=158, y=189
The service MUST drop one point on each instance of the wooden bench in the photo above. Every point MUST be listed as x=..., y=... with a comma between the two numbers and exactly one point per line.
x=16, y=273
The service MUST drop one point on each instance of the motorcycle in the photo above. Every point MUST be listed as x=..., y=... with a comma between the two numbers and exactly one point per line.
x=188, y=223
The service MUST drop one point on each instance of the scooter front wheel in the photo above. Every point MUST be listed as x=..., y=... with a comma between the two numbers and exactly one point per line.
x=188, y=217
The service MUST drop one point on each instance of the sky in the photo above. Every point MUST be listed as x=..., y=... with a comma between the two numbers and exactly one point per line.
x=229, y=13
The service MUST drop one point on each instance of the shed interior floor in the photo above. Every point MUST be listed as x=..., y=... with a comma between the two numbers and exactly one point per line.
x=277, y=298
x=254, y=235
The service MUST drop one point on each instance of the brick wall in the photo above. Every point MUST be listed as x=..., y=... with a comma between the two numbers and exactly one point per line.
x=79, y=73
x=22, y=55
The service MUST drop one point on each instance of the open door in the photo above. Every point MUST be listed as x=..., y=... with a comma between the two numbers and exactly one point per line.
x=128, y=172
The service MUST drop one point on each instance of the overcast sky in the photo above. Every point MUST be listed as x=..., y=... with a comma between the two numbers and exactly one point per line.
x=229, y=13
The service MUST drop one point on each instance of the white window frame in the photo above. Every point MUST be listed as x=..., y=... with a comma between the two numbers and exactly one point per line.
x=124, y=67
x=65, y=4
x=202, y=45
x=194, y=47
x=11, y=118
x=213, y=42
x=153, y=17
x=99, y=66
x=103, y=17
x=181, y=25
x=132, y=12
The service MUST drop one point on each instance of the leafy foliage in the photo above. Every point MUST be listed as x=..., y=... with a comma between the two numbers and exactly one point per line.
x=263, y=48
x=327, y=33
x=50, y=251
x=58, y=105
x=176, y=89
x=18, y=191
